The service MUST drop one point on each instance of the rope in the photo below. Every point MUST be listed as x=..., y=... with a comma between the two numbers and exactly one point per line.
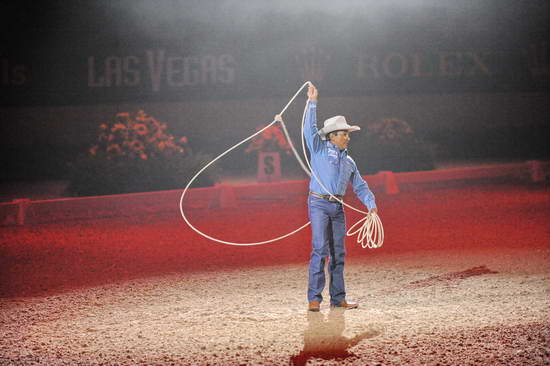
x=370, y=230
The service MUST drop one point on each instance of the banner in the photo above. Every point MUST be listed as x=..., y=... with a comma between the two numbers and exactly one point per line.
x=96, y=75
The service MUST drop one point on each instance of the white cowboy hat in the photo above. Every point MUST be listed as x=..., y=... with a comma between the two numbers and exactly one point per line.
x=336, y=123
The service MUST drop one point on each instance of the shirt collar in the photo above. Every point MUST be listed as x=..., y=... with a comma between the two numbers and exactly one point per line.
x=336, y=147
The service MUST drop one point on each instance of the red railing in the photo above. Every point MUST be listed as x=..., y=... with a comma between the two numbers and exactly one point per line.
x=27, y=212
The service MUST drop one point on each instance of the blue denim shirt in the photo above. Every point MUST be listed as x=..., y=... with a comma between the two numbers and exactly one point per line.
x=334, y=168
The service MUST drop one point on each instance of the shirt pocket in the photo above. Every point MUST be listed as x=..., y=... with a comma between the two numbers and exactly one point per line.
x=332, y=157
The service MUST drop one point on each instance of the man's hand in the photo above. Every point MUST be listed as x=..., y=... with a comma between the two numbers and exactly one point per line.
x=373, y=210
x=312, y=93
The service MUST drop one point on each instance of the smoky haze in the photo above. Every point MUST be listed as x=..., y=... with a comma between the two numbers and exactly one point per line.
x=464, y=74
x=193, y=22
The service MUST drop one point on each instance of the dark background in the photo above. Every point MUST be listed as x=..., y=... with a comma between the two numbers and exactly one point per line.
x=496, y=110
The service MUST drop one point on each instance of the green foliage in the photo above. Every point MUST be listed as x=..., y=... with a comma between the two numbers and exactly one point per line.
x=391, y=144
x=137, y=155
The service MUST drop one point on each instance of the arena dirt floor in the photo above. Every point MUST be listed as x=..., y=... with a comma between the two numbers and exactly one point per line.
x=463, y=278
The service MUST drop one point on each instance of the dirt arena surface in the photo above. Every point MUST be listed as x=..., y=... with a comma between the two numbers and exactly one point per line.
x=462, y=279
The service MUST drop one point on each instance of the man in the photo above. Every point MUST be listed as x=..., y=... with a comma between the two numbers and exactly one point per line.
x=332, y=169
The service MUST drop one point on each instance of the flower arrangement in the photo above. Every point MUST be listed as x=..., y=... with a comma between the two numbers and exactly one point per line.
x=391, y=130
x=392, y=144
x=142, y=137
x=270, y=140
x=136, y=153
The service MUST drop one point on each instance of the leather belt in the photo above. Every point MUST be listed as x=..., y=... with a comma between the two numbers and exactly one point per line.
x=326, y=196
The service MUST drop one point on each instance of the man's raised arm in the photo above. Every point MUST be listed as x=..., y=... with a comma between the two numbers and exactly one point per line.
x=313, y=140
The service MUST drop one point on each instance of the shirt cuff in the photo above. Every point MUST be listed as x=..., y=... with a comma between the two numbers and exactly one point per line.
x=371, y=204
x=312, y=103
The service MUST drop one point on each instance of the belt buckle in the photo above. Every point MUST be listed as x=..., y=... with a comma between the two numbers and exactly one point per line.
x=326, y=197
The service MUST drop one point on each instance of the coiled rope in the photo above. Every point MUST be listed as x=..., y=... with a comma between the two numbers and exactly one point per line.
x=369, y=230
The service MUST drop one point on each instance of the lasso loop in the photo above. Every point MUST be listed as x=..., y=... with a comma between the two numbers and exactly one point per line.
x=370, y=230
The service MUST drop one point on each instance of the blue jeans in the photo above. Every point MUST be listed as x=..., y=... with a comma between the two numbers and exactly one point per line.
x=328, y=228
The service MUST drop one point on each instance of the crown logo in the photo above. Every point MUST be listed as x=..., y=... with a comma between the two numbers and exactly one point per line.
x=537, y=59
x=313, y=62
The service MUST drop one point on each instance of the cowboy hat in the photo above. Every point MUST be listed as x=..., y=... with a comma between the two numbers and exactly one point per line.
x=336, y=123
